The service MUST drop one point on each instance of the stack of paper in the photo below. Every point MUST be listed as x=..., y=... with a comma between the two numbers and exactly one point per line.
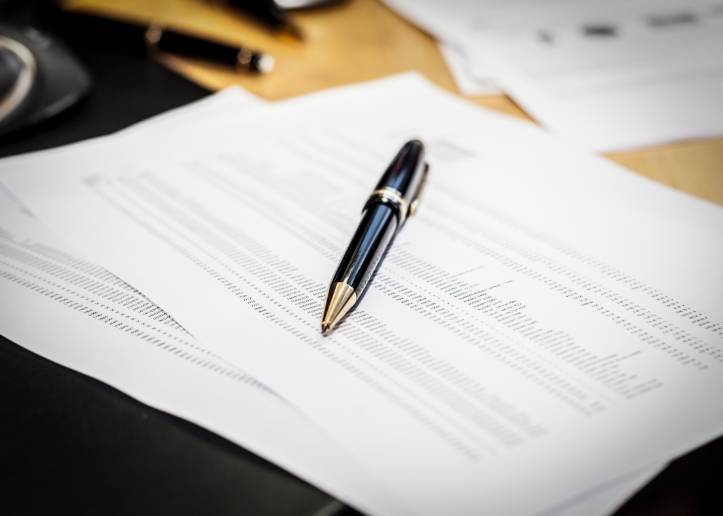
x=609, y=75
x=536, y=329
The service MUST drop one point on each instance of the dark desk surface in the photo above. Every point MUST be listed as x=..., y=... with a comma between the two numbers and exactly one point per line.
x=72, y=445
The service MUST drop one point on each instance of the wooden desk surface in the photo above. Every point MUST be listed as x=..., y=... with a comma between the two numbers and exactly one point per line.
x=363, y=40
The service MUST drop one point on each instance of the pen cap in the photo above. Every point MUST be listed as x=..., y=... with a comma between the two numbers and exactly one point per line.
x=405, y=172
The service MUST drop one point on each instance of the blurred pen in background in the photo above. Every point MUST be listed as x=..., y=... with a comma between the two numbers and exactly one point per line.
x=138, y=38
x=274, y=14
x=269, y=14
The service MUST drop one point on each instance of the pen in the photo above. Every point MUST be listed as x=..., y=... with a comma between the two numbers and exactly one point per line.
x=270, y=14
x=160, y=38
x=137, y=38
x=395, y=198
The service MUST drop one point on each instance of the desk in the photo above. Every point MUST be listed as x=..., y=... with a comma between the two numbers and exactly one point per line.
x=140, y=461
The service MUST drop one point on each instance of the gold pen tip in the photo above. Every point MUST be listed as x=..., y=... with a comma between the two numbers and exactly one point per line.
x=325, y=328
x=340, y=300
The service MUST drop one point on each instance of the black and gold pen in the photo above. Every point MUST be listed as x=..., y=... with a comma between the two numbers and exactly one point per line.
x=138, y=38
x=395, y=198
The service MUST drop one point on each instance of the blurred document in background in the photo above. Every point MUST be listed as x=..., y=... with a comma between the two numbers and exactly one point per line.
x=537, y=328
x=470, y=81
x=609, y=75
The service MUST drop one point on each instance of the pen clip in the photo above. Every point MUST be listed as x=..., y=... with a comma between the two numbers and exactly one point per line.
x=414, y=205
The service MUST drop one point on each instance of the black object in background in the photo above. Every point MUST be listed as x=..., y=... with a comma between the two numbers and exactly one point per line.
x=274, y=13
x=268, y=13
x=128, y=89
x=39, y=77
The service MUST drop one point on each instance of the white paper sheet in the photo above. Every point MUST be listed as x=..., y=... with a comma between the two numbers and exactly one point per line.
x=452, y=418
x=608, y=75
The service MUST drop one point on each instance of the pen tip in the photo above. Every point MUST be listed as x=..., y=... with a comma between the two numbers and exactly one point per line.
x=340, y=300
x=325, y=328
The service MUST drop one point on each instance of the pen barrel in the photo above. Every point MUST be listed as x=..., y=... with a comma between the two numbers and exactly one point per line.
x=190, y=46
x=265, y=11
x=137, y=39
x=405, y=174
x=367, y=248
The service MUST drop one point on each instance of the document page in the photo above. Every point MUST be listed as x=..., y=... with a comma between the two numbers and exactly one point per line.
x=609, y=75
x=651, y=76
x=537, y=328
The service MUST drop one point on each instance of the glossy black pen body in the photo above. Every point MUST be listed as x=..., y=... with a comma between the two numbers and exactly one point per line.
x=395, y=197
x=136, y=38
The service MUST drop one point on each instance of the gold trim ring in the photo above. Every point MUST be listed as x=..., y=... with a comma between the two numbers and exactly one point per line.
x=392, y=196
